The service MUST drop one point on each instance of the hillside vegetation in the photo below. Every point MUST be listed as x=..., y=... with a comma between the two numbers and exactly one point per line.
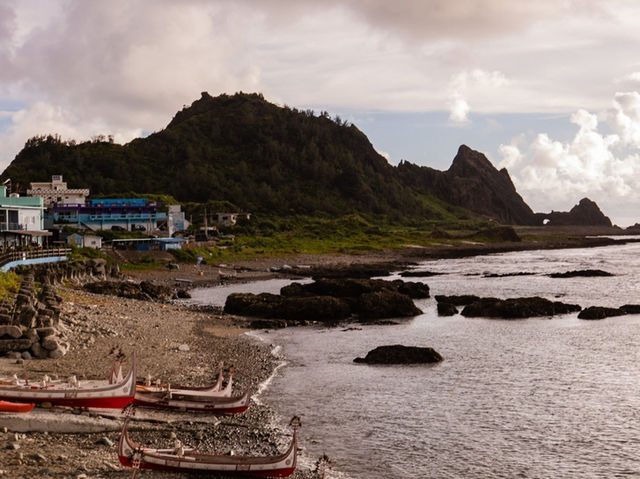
x=242, y=151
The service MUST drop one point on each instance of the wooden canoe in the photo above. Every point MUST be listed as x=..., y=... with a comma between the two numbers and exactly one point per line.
x=215, y=405
x=180, y=459
x=83, y=394
x=213, y=391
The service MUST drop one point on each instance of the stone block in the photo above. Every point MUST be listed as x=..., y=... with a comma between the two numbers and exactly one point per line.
x=7, y=345
x=11, y=331
x=50, y=343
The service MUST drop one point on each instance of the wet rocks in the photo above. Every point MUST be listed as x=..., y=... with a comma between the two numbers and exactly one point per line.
x=586, y=273
x=354, y=287
x=399, y=354
x=446, y=309
x=296, y=309
x=631, y=308
x=457, y=300
x=601, y=312
x=385, y=304
x=331, y=300
x=517, y=308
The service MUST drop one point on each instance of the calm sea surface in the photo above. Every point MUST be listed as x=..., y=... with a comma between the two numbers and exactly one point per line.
x=536, y=398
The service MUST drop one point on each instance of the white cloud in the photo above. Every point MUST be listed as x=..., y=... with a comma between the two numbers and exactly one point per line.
x=604, y=167
x=476, y=83
x=635, y=77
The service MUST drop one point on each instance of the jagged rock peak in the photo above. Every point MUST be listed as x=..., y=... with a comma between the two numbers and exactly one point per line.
x=587, y=210
x=467, y=159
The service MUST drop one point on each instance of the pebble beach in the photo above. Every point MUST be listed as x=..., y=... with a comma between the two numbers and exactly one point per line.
x=173, y=342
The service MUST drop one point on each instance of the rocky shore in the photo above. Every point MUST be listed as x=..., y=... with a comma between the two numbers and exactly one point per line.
x=182, y=344
x=172, y=342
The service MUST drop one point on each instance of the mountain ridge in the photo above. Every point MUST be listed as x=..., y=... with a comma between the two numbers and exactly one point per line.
x=275, y=160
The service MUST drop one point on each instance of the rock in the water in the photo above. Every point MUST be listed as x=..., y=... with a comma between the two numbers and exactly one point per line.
x=316, y=308
x=447, y=309
x=586, y=273
x=399, y=354
x=385, y=304
x=600, y=312
x=457, y=300
x=631, y=308
x=517, y=308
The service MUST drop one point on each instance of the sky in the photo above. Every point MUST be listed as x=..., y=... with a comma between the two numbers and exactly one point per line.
x=549, y=89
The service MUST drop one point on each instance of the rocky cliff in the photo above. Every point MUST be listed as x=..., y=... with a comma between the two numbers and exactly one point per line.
x=585, y=213
x=472, y=182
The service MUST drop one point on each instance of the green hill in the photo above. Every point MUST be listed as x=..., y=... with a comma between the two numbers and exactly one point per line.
x=269, y=160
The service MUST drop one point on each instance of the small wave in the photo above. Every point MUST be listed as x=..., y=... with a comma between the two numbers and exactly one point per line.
x=265, y=384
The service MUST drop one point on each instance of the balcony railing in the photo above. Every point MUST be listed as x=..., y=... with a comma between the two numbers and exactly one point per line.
x=12, y=226
x=31, y=254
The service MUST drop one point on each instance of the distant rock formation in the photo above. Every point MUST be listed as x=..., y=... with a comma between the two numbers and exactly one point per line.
x=472, y=182
x=585, y=213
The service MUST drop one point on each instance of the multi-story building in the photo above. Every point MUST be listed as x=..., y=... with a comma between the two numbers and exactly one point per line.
x=122, y=214
x=21, y=220
x=57, y=193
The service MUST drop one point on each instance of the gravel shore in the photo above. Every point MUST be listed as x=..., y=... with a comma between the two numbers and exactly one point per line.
x=172, y=342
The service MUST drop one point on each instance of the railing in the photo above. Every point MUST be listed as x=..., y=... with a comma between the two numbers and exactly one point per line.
x=31, y=254
x=12, y=226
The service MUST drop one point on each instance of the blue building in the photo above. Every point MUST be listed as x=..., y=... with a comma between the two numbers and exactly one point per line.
x=123, y=214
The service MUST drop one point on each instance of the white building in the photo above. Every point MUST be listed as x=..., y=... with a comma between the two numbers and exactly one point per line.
x=56, y=192
x=230, y=219
x=21, y=220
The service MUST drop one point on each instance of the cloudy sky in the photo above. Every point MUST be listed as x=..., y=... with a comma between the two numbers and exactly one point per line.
x=547, y=88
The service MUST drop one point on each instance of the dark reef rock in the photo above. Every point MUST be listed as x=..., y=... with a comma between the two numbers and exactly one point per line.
x=586, y=273
x=354, y=287
x=517, y=308
x=506, y=275
x=331, y=300
x=398, y=354
x=600, y=312
x=457, y=300
x=631, y=308
x=263, y=305
x=316, y=308
x=447, y=309
x=385, y=304
x=419, y=274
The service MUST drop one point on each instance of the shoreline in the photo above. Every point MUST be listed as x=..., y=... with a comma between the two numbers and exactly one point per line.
x=96, y=324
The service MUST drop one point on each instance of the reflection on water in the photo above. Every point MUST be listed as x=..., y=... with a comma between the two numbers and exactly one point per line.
x=535, y=398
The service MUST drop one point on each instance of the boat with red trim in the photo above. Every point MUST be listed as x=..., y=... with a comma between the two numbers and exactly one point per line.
x=213, y=391
x=171, y=400
x=73, y=393
x=180, y=459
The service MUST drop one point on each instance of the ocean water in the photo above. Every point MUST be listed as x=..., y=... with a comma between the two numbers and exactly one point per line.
x=536, y=398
